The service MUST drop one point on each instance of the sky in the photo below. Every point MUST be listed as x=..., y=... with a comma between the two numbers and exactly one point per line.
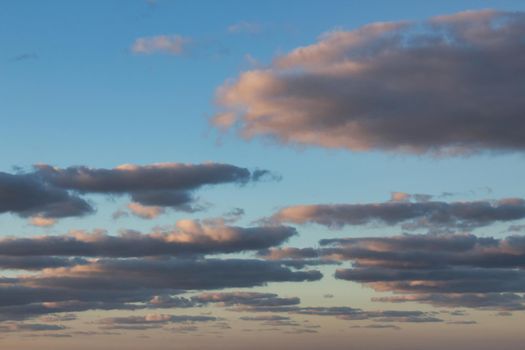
x=262, y=174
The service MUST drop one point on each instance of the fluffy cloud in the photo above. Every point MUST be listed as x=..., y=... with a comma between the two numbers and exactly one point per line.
x=413, y=215
x=145, y=212
x=448, y=85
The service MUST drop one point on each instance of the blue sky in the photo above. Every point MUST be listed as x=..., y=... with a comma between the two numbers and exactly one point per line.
x=74, y=92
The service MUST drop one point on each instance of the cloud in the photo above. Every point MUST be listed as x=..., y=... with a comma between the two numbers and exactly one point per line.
x=129, y=178
x=28, y=327
x=245, y=298
x=25, y=57
x=145, y=212
x=407, y=197
x=188, y=237
x=490, y=301
x=129, y=284
x=25, y=262
x=49, y=193
x=42, y=222
x=353, y=314
x=429, y=251
x=454, y=270
x=150, y=321
x=168, y=44
x=28, y=196
x=448, y=85
x=265, y=318
x=434, y=215
x=289, y=253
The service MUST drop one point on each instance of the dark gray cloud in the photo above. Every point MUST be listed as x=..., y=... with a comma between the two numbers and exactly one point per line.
x=379, y=326
x=27, y=195
x=500, y=301
x=136, y=178
x=448, y=85
x=449, y=280
x=172, y=274
x=443, y=270
x=265, y=318
x=245, y=298
x=129, y=284
x=186, y=238
x=37, y=262
x=429, y=251
x=28, y=327
x=352, y=314
x=163, y=185
x=51, y=192
x=412, y=215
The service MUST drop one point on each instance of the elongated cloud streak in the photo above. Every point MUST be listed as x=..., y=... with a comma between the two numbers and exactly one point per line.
x=413, y=215
x=187, y=238
x=49, y=193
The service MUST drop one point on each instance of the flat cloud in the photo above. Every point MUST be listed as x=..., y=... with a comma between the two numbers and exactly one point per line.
x=150, y=321
x=448, y=85
x=352, y=314
x=245, y=298
x=413, y=215
x=48, y=193
x=188, y=237
x=129, y=284
x=444, y=270
x=26, y=195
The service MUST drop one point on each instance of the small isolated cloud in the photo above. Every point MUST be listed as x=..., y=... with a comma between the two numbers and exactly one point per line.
x=145, y=212
x=42, y=221
x=167, y=44
x=25, y=57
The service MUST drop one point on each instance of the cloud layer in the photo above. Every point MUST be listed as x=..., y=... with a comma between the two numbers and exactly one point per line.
x=443, y=270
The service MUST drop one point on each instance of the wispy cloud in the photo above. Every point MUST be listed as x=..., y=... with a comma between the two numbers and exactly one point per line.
x=167, y=44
